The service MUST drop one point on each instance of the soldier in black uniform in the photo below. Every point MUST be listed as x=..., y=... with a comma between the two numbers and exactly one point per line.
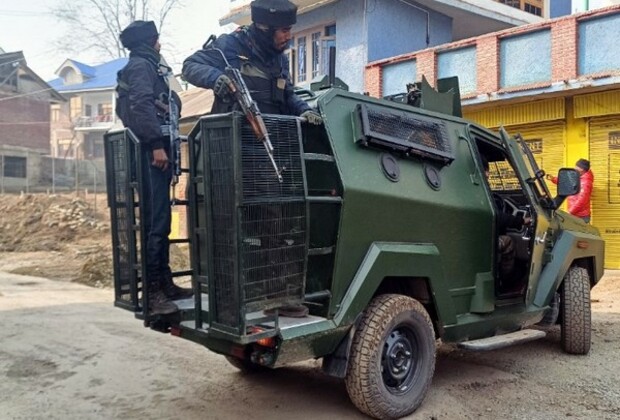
x=257, y=51
x=142, y=105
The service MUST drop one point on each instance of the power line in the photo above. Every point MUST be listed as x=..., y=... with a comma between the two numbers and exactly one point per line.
x=23, y=13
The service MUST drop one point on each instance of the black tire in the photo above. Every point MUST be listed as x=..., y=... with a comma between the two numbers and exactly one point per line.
x=396, y=333
x=575, y=311
x=245, y=366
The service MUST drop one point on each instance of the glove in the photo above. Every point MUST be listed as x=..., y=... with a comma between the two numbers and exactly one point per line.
x=312, y=117
x=222, y=87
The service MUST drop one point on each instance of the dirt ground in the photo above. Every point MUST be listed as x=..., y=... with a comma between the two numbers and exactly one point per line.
x=67, y=353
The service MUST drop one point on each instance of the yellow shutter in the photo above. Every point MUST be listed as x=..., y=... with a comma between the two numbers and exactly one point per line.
x=605, y=164
x=547, y=143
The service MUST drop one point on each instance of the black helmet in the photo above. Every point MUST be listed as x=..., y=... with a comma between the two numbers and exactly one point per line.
x=139, y=32
x=274, y=13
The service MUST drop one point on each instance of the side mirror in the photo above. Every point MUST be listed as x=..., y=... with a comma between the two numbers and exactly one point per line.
x=568, y=184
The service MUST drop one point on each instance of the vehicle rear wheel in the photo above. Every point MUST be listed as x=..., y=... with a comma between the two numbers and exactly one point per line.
x=575, y=311
x=245, y=366
x=392, y=357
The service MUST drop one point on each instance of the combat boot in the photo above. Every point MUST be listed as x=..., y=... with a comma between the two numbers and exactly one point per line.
x=172, y=291
x=159, y=303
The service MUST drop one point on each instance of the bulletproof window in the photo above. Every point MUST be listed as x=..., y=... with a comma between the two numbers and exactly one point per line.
x=14, y=167
x=403, y=132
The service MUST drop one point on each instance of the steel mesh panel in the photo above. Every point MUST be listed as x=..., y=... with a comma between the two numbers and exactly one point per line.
x=259, y=177
x=257, y=227
x=431, y=135
x=223, y=222
x=121, y=177
x=273, y=253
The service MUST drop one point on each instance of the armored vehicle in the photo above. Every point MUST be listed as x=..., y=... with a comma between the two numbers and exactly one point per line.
x=384, y=226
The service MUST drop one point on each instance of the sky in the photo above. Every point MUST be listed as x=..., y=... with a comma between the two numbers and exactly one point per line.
x=29, y=26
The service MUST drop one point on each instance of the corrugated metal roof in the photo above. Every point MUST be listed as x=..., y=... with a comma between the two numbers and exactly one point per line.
x=196, y=102
x=102, y=76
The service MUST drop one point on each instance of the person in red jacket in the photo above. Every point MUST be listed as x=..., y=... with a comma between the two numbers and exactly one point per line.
x=579, y=205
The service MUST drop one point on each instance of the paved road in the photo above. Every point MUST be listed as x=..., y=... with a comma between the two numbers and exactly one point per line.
x=67, y=353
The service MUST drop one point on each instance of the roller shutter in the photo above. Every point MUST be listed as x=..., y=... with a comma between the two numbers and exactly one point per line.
x=546, y=140
x=605, y=164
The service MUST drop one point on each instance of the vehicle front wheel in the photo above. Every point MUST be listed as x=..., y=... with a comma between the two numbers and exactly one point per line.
x=392, y=357
x=575, y=311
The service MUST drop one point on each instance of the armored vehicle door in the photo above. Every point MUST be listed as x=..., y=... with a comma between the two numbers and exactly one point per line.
x=540, y=202
x=520, y=221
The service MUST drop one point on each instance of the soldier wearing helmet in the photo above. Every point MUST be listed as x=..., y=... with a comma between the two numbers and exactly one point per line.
x=257, y=51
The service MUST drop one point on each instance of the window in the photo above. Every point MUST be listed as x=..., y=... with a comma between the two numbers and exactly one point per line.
x=14, y=167
x=310, y=56
x=104, y=112
x=88, y=110
x=513, y=3
x=301, y=59
x=316, y=47
x=502, y=176
x=533, y=9
x=76, y=107
x=55, y=113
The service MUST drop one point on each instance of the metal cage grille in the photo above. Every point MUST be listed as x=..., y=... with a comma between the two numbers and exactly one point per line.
x=406, y=132
x=121, y=157
x=223, y=215
x=259, y=177
x=257, y=225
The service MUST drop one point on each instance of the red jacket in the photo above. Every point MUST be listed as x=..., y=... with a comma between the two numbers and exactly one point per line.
x=579, y=205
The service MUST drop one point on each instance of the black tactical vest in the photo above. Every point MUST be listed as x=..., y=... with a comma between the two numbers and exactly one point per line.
x=264, y=80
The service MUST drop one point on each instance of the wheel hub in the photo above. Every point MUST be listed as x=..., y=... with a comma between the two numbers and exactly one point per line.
x=398, y=361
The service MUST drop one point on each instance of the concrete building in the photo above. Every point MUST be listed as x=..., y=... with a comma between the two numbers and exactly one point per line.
x=24, y=121
x=78, y=125
x=368, y=30
x=556, y=82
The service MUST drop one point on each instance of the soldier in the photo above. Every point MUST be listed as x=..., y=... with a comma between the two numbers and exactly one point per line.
x=142, y=106
x=257, y=51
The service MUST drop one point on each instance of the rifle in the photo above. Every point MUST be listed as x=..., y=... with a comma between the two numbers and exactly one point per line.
x=170, y=108
x=249, y=108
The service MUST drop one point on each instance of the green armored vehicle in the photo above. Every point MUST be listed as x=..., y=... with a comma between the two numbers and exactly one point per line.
x=384, y=226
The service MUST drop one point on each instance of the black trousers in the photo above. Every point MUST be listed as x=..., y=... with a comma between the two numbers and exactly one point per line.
x=157, y=216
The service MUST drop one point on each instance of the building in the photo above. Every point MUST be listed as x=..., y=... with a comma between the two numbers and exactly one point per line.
x=78, y=125
x=24, y=121
x=556, y=82
x=535, y=7
x=363, y=31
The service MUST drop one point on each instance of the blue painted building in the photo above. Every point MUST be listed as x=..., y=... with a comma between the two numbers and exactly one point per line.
x=364, y=31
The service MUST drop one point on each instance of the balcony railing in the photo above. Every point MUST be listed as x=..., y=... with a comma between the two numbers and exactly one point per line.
x=94, y=121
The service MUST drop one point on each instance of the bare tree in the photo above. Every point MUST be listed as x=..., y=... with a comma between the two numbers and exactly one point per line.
x=96, y=24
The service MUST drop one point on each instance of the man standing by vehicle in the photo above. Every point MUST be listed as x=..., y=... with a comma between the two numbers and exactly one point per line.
x=257, y=51
x=142, y=105
x=579, y=205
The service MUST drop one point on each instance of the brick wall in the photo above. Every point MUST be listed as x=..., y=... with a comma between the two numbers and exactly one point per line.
x=564, y=54
x=25, y=122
